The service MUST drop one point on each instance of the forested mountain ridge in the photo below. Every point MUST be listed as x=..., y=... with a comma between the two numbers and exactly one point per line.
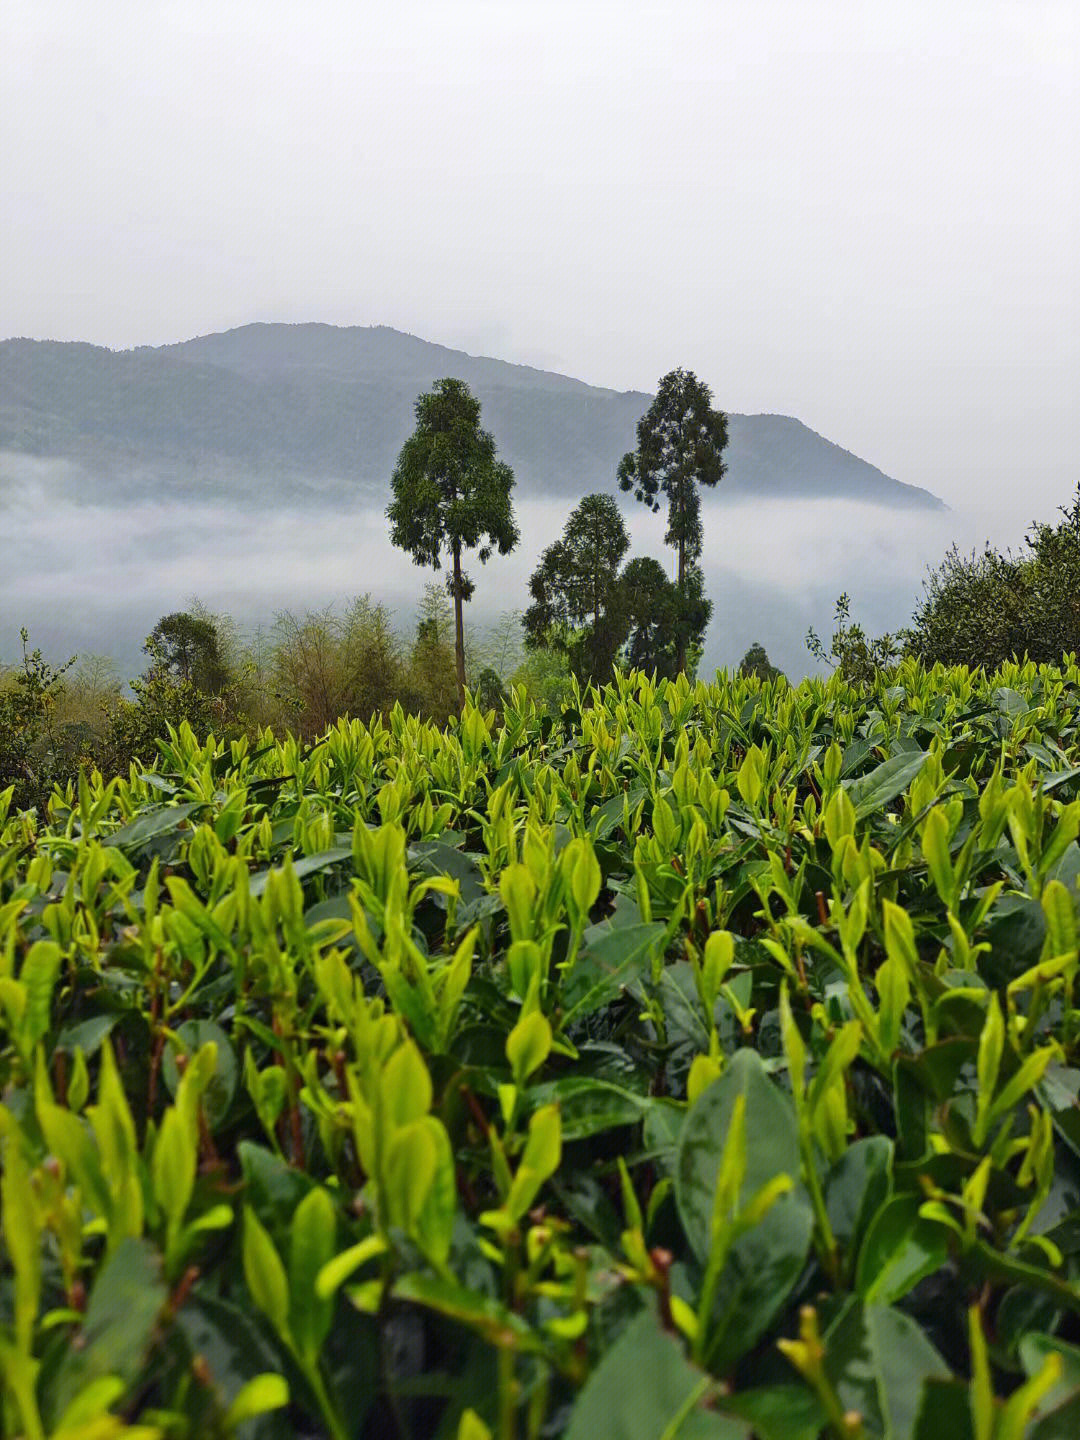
x=327, y=407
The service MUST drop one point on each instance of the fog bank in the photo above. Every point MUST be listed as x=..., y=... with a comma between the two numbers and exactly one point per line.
x=95, y=578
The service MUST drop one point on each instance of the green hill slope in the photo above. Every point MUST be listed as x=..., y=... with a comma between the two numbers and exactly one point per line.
x=331, y=407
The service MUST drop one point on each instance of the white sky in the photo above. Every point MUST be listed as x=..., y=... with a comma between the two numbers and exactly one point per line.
x=863, y=214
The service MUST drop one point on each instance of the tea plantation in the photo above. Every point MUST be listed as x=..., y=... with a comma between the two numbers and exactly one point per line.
x=703, y=1063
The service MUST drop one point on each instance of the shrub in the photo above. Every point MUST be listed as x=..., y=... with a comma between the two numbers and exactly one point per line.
x=986, y=608
x=30, y=757
x=133, y=727
x=324, y=666
x=188, y=679
x=545, y=677
x=855, y=656
x=429, y=686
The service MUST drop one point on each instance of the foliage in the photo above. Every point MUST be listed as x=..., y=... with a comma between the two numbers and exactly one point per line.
x=704, y=1065
x=186, y=648
x=756, y=662
x=576, y=601
x=451, y=495
x=28, y=738
x=133, y=727
x=857, y=657
x=681, y=440
x=187, y=680
x=586, y=609
x=326, y=664
x=660, y=623
x=303, y=674
x=984, y=609
x=431, y=686
x=489, y=693
x=544, y=678
x=650, y=609
x=89, y=688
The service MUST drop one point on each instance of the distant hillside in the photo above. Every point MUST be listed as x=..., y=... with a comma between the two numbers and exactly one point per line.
x=323, y=409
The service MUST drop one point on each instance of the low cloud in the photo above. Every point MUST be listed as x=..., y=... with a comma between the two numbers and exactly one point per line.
x=95, y=577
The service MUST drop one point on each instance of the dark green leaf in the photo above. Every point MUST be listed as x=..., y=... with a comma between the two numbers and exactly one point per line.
x=780, y=1412
x=891, y=778
x=496, y=1322
x=308, y=865
x=120, y=1326
x=235, y=1351
x=87, y=1035
x=150, y=824
x=899, y=1250
x=218, y=1095
x=1016, y=934
x=946, y=1411
x=1059, y=1410
x=611, y=963
x=766, y=1261
x=642, y=1389
x=435, y=857
x=274, y=1189
x=856, y=1188
x=879, y=1360
x=589, y=1107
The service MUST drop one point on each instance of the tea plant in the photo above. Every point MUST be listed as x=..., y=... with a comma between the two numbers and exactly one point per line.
x=703, y=1062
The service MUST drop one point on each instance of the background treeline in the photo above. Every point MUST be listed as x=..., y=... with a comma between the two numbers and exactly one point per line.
x=304, y=671
x=299, y=674
x=980, y=609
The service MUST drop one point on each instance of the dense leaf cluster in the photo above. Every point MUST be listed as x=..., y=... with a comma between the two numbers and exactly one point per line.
x=451, y=495
x=681, y=441
x=32, y=752
x=702, y=1063
x=984, y=608
x=597, y=615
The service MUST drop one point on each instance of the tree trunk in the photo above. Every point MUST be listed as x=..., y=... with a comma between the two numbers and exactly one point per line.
x=594, y=665
x=680, y=651
x=459, y=630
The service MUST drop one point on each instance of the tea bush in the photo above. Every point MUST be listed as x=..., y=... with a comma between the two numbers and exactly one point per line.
x=700, y=1062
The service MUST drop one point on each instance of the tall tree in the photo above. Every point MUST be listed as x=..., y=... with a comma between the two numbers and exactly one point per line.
x=756, y=662
x=187, y=647
x=451, y=494
x=681, y=440
x=575, y=590
x=657, y=620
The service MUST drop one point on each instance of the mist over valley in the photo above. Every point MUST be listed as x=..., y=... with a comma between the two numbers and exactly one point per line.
x=93, y=575
x=251, y=470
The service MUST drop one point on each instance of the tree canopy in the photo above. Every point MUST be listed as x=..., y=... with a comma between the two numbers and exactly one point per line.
x=451, y=494
x=681, y=440
x=597, y=616
x=664, y=631
x=187, y=647
x=988, y=607
x=756, y=662
x=575, y=590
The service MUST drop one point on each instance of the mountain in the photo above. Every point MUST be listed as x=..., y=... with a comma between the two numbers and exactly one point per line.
x=319, y=410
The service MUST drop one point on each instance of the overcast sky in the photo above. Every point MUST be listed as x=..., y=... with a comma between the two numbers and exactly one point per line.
x=866, y=214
